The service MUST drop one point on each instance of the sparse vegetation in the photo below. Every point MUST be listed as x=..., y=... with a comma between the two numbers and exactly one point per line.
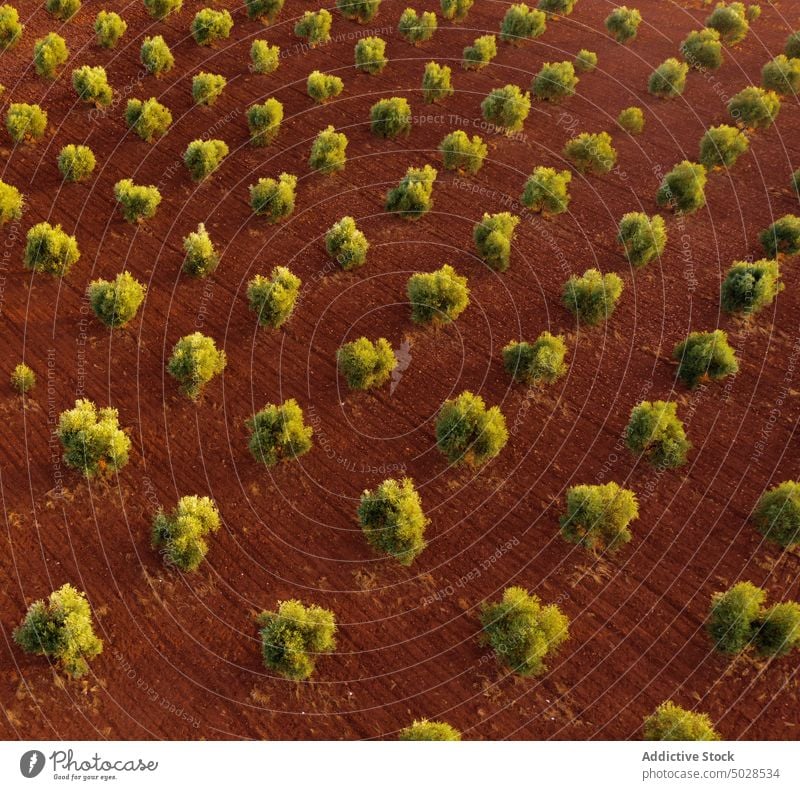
x=469, y=433
x=623, y=23
x=370, y=54
x=777, y=514
x=322, y=87
x=156, y=56
x=669, y=79
x=593, y=296
x=92, y=440
x=437, y=297
x=136, y=201
x=48, y=250
x=346, y=244
x=782, y=237
x=591, y=153
x=480, y=53
x=273, y=298
x=705, y=355
x=749, y=287
x=670, y=722
x=436, y=82
x=207, y=88
x=366, y=364
x=49, y=54
x=417, y=28
x=598, y=517
x=413, y=196
x=210, y=26
x=642, y=238
x=493, y=237
x=203, y=157
x=537, y=363
x=278, y=433
x=547, y=190
x=507, y=108
x=555, y=81
x=148, y=118
x=683, y=188
x=655, y=432
x=195, y=360
x=109, y=28
x=201, y=257
x=390, y=117
x=273, y=198
x=521, y=23
x=180, y=536
x=264, y=121
x=702, y=49
x=116, y=302
x=315, y=27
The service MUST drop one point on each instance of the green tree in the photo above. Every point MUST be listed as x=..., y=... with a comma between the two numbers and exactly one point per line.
x=156, y=56
x=10, y=27
x=264, y=58
x=424, y=730
x=705, y=355
x=393, y=521
x=181, y=535
x=436, y=83
x=480, y=53
x=328, y=151
x=137, y=202
x=370, y=54
x=750, y=286
x=506, y=108
x=702, y=49
x=278, y=433
x=586, y=60
x=782, y=75
x=557, y=7
x=493, y=237
x=598, y=517
x=315, y=27
x=417, y=28
x=26, y=122
x=522, y=632
x=469, y=433
x=456, y=10
x=547, y=190
x=792, y=47
x=782, y=237
x=642, y=238
x=195, y=360
x=273, y=298
x=631, y=119
x=358, y=10
x=593, y=296
x=321, y=87
x=777, y=631
x=61, y=629
x=210, y=26
x=346, y=244
x=11, y=203
x=207, y=88
x=754, y=108
x=48, y=250
x=655, y=432
x=201, y=257
x=148, y=118
x=109, y=28
x=264, y=121
x=730, y=21
x=203, y=157
x=623, y=23
x=591, y=153
x=537, y=363
x=49, y=53
x=273, y=199
x=672, y=723
x=733, y=613
x=23, y=379
x=160, y=9
x=669, y=79
x=76, y=162
x=63, y=10
x=721, y=146
x=116, y=302
x=437, y=297
x=366, y=365
x=92, y=440
x=459, y=152
x=777, y=514
x=555, y=81
x=265, y=10
x=293, y=637
x=521, y=23
x=91, y=85
x=390, y=117
x=412, y=197
x=683, y=188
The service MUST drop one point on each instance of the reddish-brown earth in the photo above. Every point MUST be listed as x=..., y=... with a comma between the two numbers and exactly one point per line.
x=181, y=657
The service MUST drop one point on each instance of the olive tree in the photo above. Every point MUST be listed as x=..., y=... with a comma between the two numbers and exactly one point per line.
x=754, y=108
x=547, y=190
x=721, y=146
x=642, y=238
x=702, y=49
x=555, y=81
x=669, y=79
x=91, y=85
x=436, y=83
x=26, y=123
x=655, y=432
x=23, y=379
x=459, y=152
x=278, y=433
x=777, y=514
x=730, y=21
x=314, y=27
x=437, y=297
x=631, y=119
x=156, y=55
x=49, y=250
x=201, y=257
x=669, y=722
x=264, y=57
x=782, y=237
x=705, y=355
x=346, y=244
x=424, y=730
x=207, y=87
x=76, y=162
x=328, y=151
x=370, y=54
x=390, y=117
x=417, y=28
x=683, y=188
x=137, y=202
x=480, y=53
x=358, y=10
x=456, y=10
x=593, y=296
x=493, y=237
x=413, y=196
x=469, y=433
x=598, y=517
x=537, y=363
x=181, y=535
x=623, y=23
x=11, y=203
x=591, y=153
x=195, y=360
x=149, y=118
x=322, y=87
x=273, y=198
x=366, y=364
x=749, y=287
x=10, y=28
x=92, y=440
x=109, y=28
x=116, y=302
x=521, y=23
x=265, y=10
x=782, y=75
x=203, y=157
x=264, y=121
x=210, y=26
x=273, y=298
x=506, y=108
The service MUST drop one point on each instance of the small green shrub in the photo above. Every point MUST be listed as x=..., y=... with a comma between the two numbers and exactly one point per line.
x=749, y=287
x=557, y=7
x=591, y=153
x=672, y=723
x=160, y=9
x=210, y=26
x=10, y=27
x=265, y=10
x=48, y=250
x=782, y=75
x=63, y=10
x=417, y=28
x=26, y=122
x=346, y=244
x=156, y=56
x=393, y=521
x=321, y=87
x=506, y=108
x=137, y=202
x=207, y=88
x=754, y=108
x=753, y=12
x=705, y=355
x=586, y=60
x=424, y=730
x=315, y=27
x=366, y=365
x=598, y=517
x=279, y=434
x=109, y=28
x=522, y=22
x=456, y=10
x=358, y=10
x=537, y=363
x=655, y=432
x=547, y=190
x=23, y=379
x=61, y=629
x=555, y=81
x=273, y=298
x=116, y=302
x=733, y=613
x=642, y=238
x=623, y=23
x=721, y=146
x=195, y=360
x=459, y=152
x=11, y=203
x=274, y=198
x=180, y=536
x=91, y=85
x=669, y=79
x=49, y=53
x=264, y=59
x=631, y=119
x=730, y=21
x=264, y=121
x=782, y=237
x=201, y=257
x=522, y=632
x=792, y=48
x=436, y=82
x=469, y=433
x=203, y=157
x=777, y=514
x=148, y=118
x=702, y=49
x=480, y=53
x=92, y=440
x=328, y=151
x=493, y=237
x=370, y=55
x=593, y=296
x=390, y=117
x=413, y=196
x=294, y=637
x=437, y=297
x=683, y=188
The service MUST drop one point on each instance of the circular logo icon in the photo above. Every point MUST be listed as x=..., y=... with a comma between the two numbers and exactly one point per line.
x=31, y=763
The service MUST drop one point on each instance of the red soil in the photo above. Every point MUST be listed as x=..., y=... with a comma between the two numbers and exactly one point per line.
x=181, y=656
